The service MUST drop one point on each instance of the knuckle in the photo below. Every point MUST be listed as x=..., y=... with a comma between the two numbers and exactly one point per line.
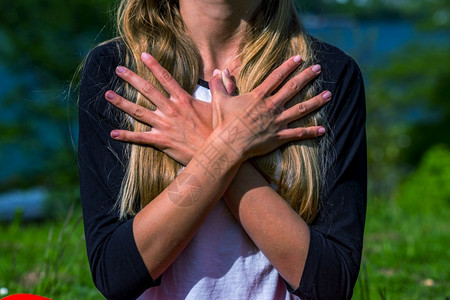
x=171, y=111
x=148, y=88
x=295, y=86
x=278, y=75
x=259, y=94
x=302, y=108
x=185, y=99
x=301, y=134
x=138, y=112
x=165, y=75
x=306, y=133
x=272, y=106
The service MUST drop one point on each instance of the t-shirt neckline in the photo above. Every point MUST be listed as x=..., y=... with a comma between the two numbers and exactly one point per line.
x=203, y=83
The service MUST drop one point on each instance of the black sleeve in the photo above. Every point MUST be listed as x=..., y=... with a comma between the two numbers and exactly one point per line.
x=117, y=268
x=334, y=255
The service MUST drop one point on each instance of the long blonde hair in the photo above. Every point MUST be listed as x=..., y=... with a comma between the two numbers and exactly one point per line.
x=274, y=34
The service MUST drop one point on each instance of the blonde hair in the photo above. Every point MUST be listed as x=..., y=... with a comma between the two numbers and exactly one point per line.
x=274, y=34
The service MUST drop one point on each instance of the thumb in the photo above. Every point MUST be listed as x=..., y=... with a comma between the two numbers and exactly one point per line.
x=229, y=83
x=216, y=85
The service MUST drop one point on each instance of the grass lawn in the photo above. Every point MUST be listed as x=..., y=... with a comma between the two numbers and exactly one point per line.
x=47, y=259
x=406, y=256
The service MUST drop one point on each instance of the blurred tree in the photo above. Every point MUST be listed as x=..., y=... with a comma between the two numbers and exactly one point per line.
x=431, y=13
x=408, y=110
x=363, y=9
x=427, y=191
x=43, y=42
x=407, y=91
x=41, y=45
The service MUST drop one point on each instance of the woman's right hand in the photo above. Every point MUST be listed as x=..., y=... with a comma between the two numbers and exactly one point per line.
x=179, y=125
x=256, y=123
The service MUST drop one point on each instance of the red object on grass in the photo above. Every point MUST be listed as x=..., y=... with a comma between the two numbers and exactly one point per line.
x=25, y=297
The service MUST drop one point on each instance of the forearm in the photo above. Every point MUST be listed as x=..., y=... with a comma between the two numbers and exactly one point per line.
x=276, y=229
x=244, y=126
x=164, y=227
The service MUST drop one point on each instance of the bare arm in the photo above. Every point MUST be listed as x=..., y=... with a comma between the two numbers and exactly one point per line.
x=165, y=226
x=276, y=229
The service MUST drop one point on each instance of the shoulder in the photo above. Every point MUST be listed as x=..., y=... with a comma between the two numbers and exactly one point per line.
x=107, y=55
x=341, y=75
x=112, y=49
x=336, y=63
x=98, y=76
x=99, y=66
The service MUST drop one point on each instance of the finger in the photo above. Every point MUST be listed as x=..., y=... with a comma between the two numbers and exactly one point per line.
x=143, y=86
x=164, y=77
x=302, y=109
x=149, y=138
x=228, y=82
x=136, y=111
x=294, y=85
x=278, y=76
x=216, y=85
x=300, y=133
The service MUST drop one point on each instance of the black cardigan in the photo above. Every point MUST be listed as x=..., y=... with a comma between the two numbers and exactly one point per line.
x=334, y=255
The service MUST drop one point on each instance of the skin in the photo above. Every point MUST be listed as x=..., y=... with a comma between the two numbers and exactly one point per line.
x=203, y=138
x=217, y=27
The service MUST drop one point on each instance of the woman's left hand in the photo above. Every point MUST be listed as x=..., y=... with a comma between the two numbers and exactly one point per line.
x=180, y=125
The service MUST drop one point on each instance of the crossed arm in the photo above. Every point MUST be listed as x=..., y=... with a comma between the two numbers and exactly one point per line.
x=215, y=158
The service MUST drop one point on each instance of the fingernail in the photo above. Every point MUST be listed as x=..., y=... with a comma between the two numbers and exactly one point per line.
x=326, y=95
x=121, y=69
x=297, y=59
x=110, y=95
x=316, y=68
x=114, y=134
x=145, y=56
x=216, y=71
x=227, y=72
x=321, y=130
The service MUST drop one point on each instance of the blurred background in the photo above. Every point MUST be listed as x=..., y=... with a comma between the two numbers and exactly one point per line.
x=403, y=48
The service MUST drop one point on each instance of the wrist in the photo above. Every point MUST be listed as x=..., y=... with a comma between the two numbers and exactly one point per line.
x=236, y=136
x=216, y=157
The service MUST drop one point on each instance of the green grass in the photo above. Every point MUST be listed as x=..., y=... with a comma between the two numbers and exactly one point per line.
x=46, y=258
x=406, y=256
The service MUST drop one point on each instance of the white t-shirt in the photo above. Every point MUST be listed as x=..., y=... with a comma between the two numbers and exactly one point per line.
x=220, y=262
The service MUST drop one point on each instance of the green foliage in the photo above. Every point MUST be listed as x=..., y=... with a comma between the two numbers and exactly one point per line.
x=375, y=9
x=430, y=14
x=47, y=259
x=427, y=190
x=405, y=255
x=407, y=110
x=49, y=36
x=42, y=43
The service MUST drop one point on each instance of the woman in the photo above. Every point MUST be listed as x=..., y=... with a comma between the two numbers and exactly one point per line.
x=221, y=200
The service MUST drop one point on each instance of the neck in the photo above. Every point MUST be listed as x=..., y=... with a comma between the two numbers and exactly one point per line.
x=217, y=28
